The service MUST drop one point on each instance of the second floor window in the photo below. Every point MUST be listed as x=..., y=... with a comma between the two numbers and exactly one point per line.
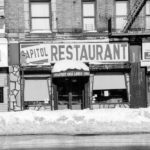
x=89, y=16
x=40, y=16
x=121, y=14
x=147, y=15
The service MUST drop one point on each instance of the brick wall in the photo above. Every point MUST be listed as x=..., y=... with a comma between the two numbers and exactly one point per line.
x=14, y=15
x=104, y=11
x=66, y=15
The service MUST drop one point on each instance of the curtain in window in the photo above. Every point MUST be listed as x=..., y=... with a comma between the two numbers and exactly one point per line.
x=36, y=90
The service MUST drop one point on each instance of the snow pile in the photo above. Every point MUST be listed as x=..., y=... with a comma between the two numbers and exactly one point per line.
x=72, y=122
x=65, y=65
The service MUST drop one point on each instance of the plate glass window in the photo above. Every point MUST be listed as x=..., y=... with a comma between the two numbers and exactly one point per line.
x=89, y=16
x=40, y=16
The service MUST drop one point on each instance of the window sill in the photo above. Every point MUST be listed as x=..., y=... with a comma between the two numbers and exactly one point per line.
x=90, y=31
x=41, y=31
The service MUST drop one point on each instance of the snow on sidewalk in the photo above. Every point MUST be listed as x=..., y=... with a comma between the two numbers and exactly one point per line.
x=119, y=120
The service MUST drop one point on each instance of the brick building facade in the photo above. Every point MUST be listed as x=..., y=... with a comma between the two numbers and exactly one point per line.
x=56, y=26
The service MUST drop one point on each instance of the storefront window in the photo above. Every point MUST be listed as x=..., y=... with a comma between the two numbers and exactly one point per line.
x=110, y=88
x=36, y=92
x=110, y=96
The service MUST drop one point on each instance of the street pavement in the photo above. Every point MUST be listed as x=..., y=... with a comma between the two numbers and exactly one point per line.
x=64, y=142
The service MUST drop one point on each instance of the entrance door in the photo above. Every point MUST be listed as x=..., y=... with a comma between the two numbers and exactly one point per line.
x=70, y=92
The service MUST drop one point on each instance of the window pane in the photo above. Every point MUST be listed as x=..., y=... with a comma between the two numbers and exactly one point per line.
x=89, y=24
x=40, y=9
x=148, y=8
x=148, y=22
x=121, y=8
x=120, y=22
x=88, y=9
x=40, y=24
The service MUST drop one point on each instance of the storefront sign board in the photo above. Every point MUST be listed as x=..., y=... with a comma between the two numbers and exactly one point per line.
x=71, y=74
x=45, y=54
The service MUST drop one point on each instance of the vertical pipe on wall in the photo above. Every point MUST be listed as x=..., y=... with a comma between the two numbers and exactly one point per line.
x=54, y=16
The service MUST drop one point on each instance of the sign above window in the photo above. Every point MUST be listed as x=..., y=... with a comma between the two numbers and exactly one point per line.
x=44, y=54
x=71, y=74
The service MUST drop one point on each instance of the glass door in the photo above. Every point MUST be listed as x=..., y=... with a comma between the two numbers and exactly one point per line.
x=76, y=92
x=70, y=93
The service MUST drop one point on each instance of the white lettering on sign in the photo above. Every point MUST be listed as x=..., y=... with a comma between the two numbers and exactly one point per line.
x=85, y=52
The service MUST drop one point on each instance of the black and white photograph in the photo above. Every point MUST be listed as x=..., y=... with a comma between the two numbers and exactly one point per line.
x=74, y=74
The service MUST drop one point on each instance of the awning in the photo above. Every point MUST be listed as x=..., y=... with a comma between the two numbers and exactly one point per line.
x=109, y=81
x=36, y=90
x=70, y=68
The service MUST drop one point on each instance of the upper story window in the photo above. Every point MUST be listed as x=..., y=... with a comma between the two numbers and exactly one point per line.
x=121, y=14
x=40, y=16
x=89, y=16
x=147, y=15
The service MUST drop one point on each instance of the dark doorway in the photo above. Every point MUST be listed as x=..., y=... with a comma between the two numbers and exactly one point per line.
x=70, y=92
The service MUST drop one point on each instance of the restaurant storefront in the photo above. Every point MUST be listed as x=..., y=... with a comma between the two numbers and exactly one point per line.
x=75, y=75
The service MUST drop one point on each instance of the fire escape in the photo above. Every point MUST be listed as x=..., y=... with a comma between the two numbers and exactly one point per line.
x=134, y=12
x=137, y=7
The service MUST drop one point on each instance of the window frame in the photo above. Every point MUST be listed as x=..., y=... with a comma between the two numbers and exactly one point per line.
x=120, y=16
x=147, y=15
x=49, y=18
x=86, y=17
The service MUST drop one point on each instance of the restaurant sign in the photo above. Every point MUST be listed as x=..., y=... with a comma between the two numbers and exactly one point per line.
x=71, y=74
x=44, y=54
